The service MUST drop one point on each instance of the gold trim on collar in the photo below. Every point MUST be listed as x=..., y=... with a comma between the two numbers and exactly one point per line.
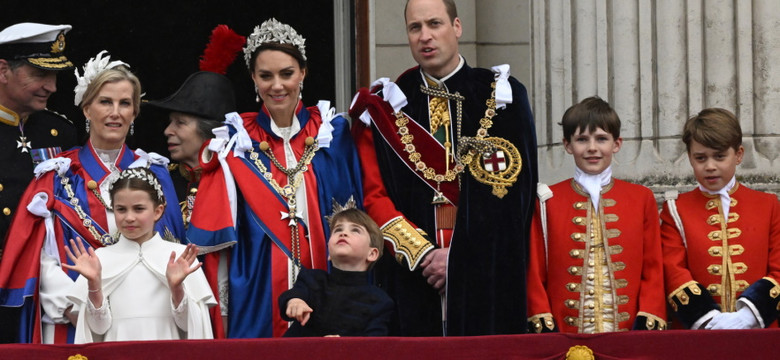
x=8, y=116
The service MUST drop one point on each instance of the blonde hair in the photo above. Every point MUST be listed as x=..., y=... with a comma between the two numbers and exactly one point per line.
x=113, y=75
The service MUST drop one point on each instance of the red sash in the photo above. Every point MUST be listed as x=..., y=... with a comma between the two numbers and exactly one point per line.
x=433, y=152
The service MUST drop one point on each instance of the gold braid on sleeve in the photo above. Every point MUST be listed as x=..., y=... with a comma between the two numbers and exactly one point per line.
x=409, y=243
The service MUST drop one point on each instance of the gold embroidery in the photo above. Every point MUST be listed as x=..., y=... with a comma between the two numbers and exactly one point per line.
x=615, y=249
x=608, y=202
x=714, y=219
x=736, y=250
x=739, y=268
x=715, y=251
x=542, y=320
x=612, y=233
x=618, y=266
x=407, y=241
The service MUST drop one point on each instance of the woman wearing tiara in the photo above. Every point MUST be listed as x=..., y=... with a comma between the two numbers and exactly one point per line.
x=68, y=199
x=272, y=178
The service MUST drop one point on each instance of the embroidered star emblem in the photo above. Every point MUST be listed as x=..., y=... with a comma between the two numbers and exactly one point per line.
x=23, y=144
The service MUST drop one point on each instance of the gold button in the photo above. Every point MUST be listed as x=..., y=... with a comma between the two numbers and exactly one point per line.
x=574, y=253
x=54, y=132
x=591, y=320
x=591, y=277
x=309, y=141
x=591, y=263
x=1, y=187
x=684, y=297
x=570, y=320
x=716, y=269
x=570, y=303
x=577, y=236
x=591, y=306
x=591, y=292
x=592, y=249
x=537, y=325
x=549, y=323
x=264, y=146
x=572, y=286
x=7, y=211
x=716, y=251
x=92, y=185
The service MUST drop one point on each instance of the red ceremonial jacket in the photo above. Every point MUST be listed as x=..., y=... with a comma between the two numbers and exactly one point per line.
x=558, y=266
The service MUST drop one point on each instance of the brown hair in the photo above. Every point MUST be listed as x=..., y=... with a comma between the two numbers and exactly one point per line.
x=288, y=49
x=113, y=75
x=359, y=217
x=714, y=128
x=590, y=113
x=452, y=10
x=134, y=183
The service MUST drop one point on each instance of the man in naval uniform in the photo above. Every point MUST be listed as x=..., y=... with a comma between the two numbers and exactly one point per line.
x=31, y=56
x=456, y=153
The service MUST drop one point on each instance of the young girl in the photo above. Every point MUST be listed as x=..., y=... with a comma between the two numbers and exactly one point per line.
x=145, y=292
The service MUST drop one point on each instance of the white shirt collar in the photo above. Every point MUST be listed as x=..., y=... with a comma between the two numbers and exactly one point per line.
x=441, y=81
x=725, y=197
x=593, y=183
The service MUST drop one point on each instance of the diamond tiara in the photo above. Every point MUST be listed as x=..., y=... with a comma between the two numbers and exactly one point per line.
x=142, y=174
x=272, y=31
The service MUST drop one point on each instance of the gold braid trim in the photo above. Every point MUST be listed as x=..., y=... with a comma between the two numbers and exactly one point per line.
x=653, y=322
x=408, y=242
x=540, y=321
x=680, y=294
x=774, y=292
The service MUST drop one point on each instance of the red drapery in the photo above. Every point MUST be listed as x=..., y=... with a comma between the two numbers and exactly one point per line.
x=673, y=344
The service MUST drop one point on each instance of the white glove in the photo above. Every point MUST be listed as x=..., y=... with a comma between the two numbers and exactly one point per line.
x=741, y=319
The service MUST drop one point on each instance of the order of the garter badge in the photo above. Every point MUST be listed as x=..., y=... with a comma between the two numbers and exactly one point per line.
x=498, y=168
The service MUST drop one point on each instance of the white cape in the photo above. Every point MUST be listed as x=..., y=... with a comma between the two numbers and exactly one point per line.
x=118, y=261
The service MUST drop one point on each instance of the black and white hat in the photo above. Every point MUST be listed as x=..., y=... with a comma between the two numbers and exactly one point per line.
x=40, y=45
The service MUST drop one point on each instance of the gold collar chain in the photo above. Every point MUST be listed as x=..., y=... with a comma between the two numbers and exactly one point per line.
x=294, y=178
x=466, y=153
x=105, y=239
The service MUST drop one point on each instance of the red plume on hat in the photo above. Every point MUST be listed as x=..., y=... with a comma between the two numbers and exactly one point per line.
x=224, y=44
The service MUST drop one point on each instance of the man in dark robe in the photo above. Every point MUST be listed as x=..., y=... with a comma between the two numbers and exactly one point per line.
x=455, y=149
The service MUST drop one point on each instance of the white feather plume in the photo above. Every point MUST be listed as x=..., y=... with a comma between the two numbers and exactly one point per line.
x=92, y=69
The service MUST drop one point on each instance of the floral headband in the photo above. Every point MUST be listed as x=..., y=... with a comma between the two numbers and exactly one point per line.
x=142, y=174
x=92, y=69
x=272, y=31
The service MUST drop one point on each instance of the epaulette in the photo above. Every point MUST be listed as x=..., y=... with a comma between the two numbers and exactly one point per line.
x=173, y=166
x=53, y=115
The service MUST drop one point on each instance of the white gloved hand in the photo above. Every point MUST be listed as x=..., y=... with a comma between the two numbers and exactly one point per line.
x=742, y=319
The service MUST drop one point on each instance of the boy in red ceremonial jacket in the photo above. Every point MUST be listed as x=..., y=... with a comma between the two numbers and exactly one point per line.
x=595, y=263
x=721, y=241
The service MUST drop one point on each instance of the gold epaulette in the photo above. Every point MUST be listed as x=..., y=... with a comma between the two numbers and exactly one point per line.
x=408, y=242
x=539, y=322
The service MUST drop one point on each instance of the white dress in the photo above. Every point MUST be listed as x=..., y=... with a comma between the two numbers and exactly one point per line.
x=137, y=301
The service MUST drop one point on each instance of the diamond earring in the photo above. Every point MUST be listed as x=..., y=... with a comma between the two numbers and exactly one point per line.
x=257, y=95
x=86, y=127
x=300, y=90
x=132, y=128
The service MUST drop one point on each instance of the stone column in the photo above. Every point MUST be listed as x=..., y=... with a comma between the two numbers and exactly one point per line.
x=657, y=62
